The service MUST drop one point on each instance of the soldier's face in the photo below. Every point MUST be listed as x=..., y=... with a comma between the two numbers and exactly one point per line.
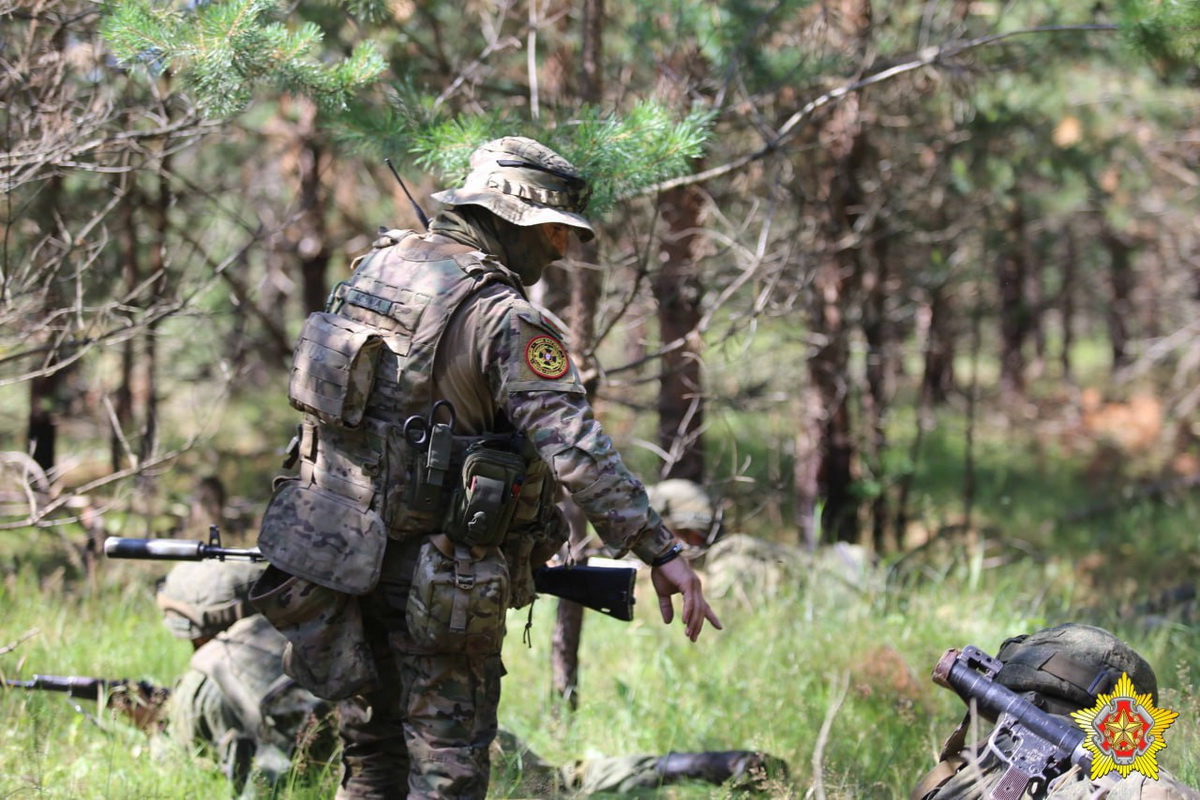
x=558, y=236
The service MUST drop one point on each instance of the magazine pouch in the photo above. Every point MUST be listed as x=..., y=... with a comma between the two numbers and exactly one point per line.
x=458, y=599
x=333, y=368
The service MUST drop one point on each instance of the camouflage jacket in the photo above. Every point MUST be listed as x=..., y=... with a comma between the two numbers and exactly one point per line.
x=456, y=325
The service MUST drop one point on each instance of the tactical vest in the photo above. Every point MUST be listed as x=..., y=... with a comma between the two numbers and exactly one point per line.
x=246, y=663
x=365, y=367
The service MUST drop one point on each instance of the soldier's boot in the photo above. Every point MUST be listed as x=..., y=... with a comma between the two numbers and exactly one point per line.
x=745, y=770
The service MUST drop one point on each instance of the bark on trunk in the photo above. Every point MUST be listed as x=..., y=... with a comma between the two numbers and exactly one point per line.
x=678, y=291
x=1011, y=273
x=583, y=287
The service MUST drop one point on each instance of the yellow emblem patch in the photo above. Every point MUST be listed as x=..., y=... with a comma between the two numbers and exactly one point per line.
x=546, y=357
x=1124, y=731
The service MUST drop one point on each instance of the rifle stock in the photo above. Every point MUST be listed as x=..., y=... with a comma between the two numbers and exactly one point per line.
x=608, y=590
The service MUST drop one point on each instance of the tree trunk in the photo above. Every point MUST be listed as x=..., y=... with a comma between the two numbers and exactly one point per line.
x=937, y=378
x=1066, y=302
x=1120, y=267
x=584, y=287
x=1011, y=273
x=678, y=290
x=878, y=332
x=123, y=404
x=46, y=401
x=311, y=236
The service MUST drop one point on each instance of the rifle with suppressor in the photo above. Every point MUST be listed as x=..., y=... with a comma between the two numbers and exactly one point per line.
x=141, y=701
x=1043, y=746
x=608, y=590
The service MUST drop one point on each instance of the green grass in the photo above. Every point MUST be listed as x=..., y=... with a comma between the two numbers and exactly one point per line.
x=792, y=662
x=814, y=653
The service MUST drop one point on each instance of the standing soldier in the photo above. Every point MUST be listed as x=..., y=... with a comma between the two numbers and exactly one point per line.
x=442, y=412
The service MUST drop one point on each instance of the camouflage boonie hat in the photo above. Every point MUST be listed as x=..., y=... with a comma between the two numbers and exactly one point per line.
x=1070, y=665
x=684, y=505
x=199, y=599
x=526, y=183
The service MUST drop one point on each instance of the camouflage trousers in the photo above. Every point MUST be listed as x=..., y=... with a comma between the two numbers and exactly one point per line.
x=425, y=732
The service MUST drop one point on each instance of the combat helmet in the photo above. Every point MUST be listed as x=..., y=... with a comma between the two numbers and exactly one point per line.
x=199, y=599
x=685, y=506
x=525, y=183
x=1070, y=665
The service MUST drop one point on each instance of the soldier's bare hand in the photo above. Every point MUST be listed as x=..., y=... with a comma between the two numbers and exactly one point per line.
x=678, y=577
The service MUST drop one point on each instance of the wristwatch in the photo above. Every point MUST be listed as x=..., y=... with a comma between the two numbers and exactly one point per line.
x=668, y=556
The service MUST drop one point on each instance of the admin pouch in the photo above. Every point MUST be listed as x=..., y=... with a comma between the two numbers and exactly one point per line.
x=333, y=368
x=459, y=598
x=486, y=497
x=327, y=652
x=323, y=537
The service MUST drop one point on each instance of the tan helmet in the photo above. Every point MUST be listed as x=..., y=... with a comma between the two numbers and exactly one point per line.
x=526, y=183
x=1070, y=665
x=199, y=599
x=684, y=505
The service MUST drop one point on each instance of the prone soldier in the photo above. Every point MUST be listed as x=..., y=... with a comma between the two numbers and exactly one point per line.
x=1058, y=671
x=234, y=701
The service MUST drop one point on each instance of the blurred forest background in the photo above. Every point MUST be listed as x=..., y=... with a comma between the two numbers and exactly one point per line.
x=917, y=276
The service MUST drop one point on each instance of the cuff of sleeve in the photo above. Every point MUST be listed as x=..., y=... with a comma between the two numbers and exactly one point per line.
x=655, y=546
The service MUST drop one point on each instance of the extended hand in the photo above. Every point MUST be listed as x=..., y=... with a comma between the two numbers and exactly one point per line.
x=678, y=577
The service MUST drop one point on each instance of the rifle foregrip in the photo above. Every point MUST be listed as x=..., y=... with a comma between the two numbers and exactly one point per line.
x=154, y=549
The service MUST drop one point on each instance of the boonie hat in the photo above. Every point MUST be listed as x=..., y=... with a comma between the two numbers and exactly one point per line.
x=526, y=183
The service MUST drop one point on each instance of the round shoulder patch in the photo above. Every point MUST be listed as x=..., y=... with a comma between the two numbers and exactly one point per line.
x=546, y=357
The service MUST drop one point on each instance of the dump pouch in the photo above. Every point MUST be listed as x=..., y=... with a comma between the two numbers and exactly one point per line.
x=458, y=599
x=333, y=368
x=486, y=497
x=327, y=652
x=323, y=537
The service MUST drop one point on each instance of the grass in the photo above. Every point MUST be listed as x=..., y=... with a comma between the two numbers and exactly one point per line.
x=817, y=654
x=834, y=679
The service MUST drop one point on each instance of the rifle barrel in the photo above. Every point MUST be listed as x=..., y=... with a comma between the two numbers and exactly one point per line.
x=174, y=550
x=74, y=685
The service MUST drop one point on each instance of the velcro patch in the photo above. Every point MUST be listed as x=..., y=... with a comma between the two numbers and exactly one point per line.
x=546, y=357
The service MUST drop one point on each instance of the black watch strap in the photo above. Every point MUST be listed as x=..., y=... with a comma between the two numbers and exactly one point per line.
x=668, y=556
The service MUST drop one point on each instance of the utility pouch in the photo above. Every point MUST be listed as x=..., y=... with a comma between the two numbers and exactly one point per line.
x=333, y=368
x=321, y=536
x=458, y=599
x=486, y=497
x=327, y=651
x=417, y=504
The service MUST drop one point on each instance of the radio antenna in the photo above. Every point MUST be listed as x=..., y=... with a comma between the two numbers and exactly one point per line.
x=420, y=214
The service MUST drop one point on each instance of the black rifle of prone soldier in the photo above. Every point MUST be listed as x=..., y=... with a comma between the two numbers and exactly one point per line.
x=1045, y=746
x=141, y=701
x=608, y=590
x=84, y=688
